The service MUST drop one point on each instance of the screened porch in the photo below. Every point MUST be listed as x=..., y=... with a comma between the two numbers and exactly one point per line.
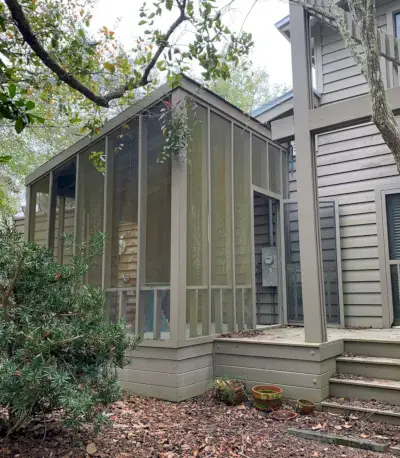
x=180, y=259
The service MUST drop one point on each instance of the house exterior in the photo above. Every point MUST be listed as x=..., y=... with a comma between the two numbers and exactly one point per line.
x=241, y=234
x=353, y=166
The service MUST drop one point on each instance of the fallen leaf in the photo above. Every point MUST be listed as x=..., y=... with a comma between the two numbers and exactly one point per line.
x=347, y=426
x=242, y=407
x=91, y=448
x=319, y=426
x=315, y=454
x=364, y=436
x=338, y=427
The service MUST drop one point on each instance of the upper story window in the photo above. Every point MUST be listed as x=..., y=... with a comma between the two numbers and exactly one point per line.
x=396, y=20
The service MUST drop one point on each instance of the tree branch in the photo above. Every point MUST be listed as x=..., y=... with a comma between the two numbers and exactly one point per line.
x=33, y=42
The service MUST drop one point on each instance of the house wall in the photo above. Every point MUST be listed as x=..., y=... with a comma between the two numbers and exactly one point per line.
x=351, y=163
x=266, y=297
x=337, y=73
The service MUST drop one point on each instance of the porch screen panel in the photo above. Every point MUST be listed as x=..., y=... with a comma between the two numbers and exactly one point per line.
x=124, y=145
x=221, y=219
x=65, y=212
x=158, y=206
x=275, y=164
x=259, y=162
x=197, y=223
x=40, y=220
x=242, y=221
x=91, y=206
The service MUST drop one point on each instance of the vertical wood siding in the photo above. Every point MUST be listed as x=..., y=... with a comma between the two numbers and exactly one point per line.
x=350, y=164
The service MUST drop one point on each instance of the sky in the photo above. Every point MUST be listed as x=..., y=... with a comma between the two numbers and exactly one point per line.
x=271, y=50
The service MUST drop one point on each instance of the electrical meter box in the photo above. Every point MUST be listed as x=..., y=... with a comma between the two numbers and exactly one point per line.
x=269, y=257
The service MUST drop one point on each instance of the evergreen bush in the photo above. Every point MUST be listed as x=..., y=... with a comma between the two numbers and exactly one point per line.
x=56, y=349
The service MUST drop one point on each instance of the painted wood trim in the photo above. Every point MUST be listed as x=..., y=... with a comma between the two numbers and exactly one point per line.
x=318, y=61
x=252, y=243
x=51, y=219
x=141, y=242
x=60, y=231
x=282, y=292
x=232, y=320
x=178, y=237
x=209, y=254
x=339, y=264
x=108, y=214
x=30, y=214
x=308, y=205
x=383, y=253
x=78, y=204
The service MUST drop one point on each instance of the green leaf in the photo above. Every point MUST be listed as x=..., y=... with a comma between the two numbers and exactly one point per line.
x=169, y=4
x=19, y=125
x=142, y=22
x=5, y=159
x=12, y=90
x=81, y=33
x=109, y=66
x=30, y=105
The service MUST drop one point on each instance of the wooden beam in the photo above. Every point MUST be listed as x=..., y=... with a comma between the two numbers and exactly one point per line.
x=356, y=110
x=51, y=217
x=308, y=206
x=60, y=230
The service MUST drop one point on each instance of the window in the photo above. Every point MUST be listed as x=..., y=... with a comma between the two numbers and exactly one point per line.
x=396, y=25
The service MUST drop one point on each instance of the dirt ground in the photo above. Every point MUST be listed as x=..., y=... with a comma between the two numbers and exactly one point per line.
x=149, y=428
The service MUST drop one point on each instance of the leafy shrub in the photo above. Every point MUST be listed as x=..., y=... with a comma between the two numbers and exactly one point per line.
x=56, y=349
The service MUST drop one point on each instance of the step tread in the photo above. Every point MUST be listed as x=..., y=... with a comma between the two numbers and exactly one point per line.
x=360, y=409
x=369, y=360
x=373, y=382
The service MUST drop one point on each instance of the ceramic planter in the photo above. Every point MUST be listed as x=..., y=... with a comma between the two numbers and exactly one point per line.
x=267, y=397
x=305, y=407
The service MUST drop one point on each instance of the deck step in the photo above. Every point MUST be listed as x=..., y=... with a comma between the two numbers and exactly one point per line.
x=377, y=348
x=380, y=389
x=369, y=366
x=385, y=416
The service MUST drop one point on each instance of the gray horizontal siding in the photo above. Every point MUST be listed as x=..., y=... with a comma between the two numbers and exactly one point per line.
x=341, y=76
x=350, y=164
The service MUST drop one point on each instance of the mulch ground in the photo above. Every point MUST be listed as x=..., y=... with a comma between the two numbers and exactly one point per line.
x=149, y=428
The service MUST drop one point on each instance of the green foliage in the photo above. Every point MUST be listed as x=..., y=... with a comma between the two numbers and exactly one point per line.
x=56, y=350
x=175, y=128
x=100, y=63
x=248, y=87
x=226, y=388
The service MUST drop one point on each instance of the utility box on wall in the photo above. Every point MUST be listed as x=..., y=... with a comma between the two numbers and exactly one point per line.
x=269, y=257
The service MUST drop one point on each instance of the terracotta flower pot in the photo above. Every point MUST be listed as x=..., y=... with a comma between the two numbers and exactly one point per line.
x=267, y=397
x=305, y=407
x=234, y=394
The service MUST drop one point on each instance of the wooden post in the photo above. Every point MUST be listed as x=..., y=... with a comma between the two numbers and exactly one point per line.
x=309, y=229
x=178, y=238
x=30, y=214
x=60, y=231
x=51, y=217
x=141, y=230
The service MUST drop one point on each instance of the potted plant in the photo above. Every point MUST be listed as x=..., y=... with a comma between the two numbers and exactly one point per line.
x=305, y=407
x=231, y=391
x=267, y=397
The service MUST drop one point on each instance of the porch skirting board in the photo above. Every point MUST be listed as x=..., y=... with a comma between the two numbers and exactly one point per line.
x=175, y=374
x=172, y=374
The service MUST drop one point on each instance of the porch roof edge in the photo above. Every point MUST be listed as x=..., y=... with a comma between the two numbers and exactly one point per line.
x=187, y=84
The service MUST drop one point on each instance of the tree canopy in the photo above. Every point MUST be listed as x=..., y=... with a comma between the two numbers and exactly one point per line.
x=48, y=52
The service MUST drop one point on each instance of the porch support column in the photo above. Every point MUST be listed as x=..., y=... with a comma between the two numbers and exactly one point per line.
x=178, y=237
x=312, y=278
